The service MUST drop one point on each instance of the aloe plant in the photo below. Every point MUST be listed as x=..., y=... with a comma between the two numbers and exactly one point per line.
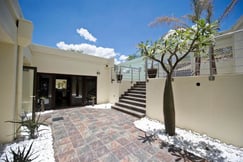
x=29, y=125
x=21, y=155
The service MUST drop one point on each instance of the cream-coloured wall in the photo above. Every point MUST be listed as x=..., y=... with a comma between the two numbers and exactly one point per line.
x=11, y=62
x=8, y=72
x=8, y=30
x=213, y=108
x=114, y=92
x=25, y=29
x=117, y=89
x=27, y=56
x=154, y=98
x=50, y=60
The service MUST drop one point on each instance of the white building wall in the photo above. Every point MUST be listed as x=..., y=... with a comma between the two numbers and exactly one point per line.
x=238, y=51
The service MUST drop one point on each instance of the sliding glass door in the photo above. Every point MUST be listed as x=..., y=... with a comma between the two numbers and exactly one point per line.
x=60, y=90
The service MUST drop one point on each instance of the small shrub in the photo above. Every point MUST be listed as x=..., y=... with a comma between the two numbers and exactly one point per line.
x=24, y=155
x=29, y=125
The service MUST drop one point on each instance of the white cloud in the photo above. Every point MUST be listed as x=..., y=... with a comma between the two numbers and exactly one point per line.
x=86, y=34
x=120, y=59
x=88, y=49
x=116, y=61
x=123, y=58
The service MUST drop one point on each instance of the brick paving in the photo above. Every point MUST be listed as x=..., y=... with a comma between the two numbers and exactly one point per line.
x=86, y=135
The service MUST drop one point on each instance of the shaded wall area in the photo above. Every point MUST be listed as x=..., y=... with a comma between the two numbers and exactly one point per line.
x=214, y=108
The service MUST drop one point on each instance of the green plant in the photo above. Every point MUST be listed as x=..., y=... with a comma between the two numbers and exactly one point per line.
x=200, y=9
x=173, y=48
x=29, y=125
x=24, y=155
x=148, y=49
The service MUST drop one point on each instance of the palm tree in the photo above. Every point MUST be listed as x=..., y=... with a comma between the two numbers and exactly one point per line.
x=207, y=6
x=227, y=10
x=133, y=56
x=199, y=7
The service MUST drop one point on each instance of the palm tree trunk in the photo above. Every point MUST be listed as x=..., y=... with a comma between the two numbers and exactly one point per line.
x=169, y=109
x=212, y=61
x=197, y=65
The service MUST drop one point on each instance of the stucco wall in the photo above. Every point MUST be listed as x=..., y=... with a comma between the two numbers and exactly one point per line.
x=8, y=71
x=27, y=57
x=11, y=63
x=50, y=60
x=214, y=108
x=117, y=89
x=8, y=29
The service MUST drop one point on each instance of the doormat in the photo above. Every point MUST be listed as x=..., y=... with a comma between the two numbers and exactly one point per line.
x=57, y=118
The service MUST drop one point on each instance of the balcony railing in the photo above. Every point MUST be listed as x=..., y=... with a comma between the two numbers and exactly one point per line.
x=128, y=73
x=228, y=61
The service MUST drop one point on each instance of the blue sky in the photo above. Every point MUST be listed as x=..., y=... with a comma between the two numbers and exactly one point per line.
x=107, y=28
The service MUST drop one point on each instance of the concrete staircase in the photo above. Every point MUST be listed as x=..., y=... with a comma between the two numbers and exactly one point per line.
x=133, y=101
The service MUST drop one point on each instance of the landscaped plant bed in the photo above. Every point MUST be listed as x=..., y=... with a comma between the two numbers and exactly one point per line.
x=186, y=143
x=42, y=146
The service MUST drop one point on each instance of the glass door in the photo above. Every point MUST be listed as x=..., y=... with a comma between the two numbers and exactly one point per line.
x=29, y=90
x=44, y=92
x=62, y=91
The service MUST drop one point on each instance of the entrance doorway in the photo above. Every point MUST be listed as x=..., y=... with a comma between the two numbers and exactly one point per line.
x=61, y=91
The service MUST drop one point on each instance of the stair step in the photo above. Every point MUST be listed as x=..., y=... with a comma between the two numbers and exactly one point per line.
x=130, y=106
x=129, y=111
x=132, y=102
x=139, y=88
x=140, y=85
x=135, y=94
x=136, y=91
x=135, y=98
x=141, y=82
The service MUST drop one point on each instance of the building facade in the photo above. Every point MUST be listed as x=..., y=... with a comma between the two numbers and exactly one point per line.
x=39, y=77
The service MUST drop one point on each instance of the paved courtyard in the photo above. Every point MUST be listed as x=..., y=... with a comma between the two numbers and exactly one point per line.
x=84, y=134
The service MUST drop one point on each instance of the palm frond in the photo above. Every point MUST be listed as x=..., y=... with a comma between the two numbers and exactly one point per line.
x=227, y=10
x=170, y=21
